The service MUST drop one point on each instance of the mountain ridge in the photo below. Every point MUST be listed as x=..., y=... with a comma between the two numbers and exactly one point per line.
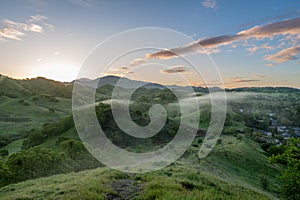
x=111, y=80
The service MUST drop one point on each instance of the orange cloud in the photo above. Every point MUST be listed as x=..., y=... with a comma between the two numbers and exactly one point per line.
x=284, y=55
x=286, y=27
x=175, y=69
x=138, y=61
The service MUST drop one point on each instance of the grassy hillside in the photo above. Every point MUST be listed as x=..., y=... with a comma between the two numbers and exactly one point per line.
x=28, y=104
x=235, y=176
x=237, y=168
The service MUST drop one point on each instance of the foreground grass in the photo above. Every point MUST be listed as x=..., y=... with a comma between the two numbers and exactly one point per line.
x=241, y=160
x=231, y=171
x=171, y=183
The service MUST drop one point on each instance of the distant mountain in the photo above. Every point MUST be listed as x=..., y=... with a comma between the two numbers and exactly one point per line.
x=129, y=84
x=112, y=80
x=40, y=85
x=265, y=89
x=28, y=87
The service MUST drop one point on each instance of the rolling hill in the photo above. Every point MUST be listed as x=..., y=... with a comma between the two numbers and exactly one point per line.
x=237, y=168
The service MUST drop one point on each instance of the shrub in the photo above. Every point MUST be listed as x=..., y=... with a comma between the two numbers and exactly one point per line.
x=4, y=152
x=239, y=137
x=264, y=181
x=290, y=176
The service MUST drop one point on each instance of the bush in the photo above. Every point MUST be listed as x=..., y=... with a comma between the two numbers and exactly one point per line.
x=5, y=174
x=4, y=152
x=34, y=138
x=264, y=181
x=290, y=176
x=36, y=162
x=239, y=137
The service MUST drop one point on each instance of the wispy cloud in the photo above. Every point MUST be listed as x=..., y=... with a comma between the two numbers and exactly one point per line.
x=243, y=80
x=35, y=28
x=246, y=80
x=16, y=30
x=264, y=47
x=37, y=18
x=209, y=3
x=284, y=28
x=284, y=55
x=138, y=61
x=10, y=33
x=174, y=69
x=122, y=68
x=291, y=26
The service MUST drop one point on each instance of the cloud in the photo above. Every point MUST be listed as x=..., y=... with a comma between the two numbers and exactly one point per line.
x=35, y=28
x=236, y=77
x=252, y=49
x=220, y=40
x=286, y=27
x=10, y=33
x=122, y=68
x=38, y=18
x=210, y=43
x=209, y=3
x=138, y=61
x=262, y=47
x=270, y=65
x=174, y=69
x=284, y=55
x=242, y=79
x=16, y=30
x=245, y=80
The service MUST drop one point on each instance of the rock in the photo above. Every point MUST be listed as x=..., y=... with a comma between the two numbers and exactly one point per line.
x=125, y=189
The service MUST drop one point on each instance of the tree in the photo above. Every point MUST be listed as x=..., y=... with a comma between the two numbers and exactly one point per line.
x=73, y=148
x=80, y=158
x=290, y=176
x=34, y=138
x=36, y=162
x=4, y=152
x=5, y=174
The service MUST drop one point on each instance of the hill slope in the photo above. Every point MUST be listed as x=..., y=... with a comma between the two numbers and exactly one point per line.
x=172, y=183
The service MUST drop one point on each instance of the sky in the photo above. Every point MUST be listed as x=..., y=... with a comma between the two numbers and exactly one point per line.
x=249, y=43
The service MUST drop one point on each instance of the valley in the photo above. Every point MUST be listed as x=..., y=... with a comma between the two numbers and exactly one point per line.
x=37, y=121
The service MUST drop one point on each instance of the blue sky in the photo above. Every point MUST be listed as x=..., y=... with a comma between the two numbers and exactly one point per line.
x=52, y=38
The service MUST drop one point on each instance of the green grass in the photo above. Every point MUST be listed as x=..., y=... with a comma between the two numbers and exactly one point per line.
x=234, y=176
x=241, y=161
x=37, y=114
x=14, y=146
x=231, y=171
x=24, y=104
x=172, y=183
x=51, y=142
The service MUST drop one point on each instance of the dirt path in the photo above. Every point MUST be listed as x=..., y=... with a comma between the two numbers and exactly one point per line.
x=125, y=189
